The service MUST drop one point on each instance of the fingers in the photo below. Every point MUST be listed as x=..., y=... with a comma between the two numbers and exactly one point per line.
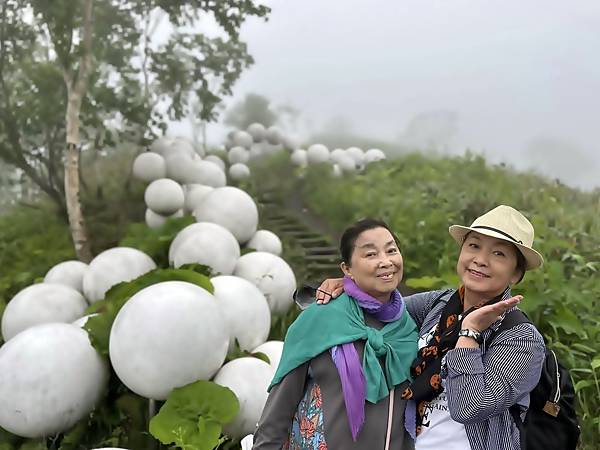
x=323, y=296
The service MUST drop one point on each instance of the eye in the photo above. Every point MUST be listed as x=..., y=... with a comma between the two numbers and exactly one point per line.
x=499, y=253
x=473, y=245
x=393, y=250
x=370, y=254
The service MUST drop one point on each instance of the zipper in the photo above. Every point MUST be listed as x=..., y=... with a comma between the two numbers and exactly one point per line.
x=388, y=434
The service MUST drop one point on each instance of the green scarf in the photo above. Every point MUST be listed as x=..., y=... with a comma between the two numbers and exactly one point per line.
x=321, y=327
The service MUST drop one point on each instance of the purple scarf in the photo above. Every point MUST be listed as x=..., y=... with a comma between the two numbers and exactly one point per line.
x=346, y=357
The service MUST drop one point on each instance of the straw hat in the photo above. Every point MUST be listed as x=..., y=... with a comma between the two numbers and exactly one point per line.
x=506, y=223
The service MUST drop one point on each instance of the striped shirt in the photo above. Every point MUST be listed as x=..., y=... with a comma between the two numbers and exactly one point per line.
x=482, y=383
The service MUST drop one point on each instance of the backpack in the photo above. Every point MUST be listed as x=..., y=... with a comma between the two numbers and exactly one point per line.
x=551, y=421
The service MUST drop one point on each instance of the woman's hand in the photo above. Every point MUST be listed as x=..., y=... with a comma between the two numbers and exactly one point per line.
x=330, y=288
x=481, y=318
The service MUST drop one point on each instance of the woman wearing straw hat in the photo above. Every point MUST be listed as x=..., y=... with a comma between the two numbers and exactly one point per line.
x=463, y=386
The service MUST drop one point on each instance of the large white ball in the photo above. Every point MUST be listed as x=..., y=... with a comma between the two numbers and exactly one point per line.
x=242, y=139
x=272, y=275
x=289, y=143
x=41, y=303
x=216, y=160
x=257, y=131
x=51, y=378
x=238, y=155
x=274, y=135
x=273, y=350
x=249, y=379
x=356, y=154
x=232, y=208
x=164, y=196
x=113, y=266
x=374, y=154
x=149, y=166
x=70, y=273
x=336, y=153
x=182, y=145
x=257, y=150
x=265, y=241
x=166, y=336
x=346, y=163
x=161, y=145
x=245, y=309
x=209, y=174
x=239, y=171
x=180, y=167
x=155, y=221
x=194, y=194
x=299, y=157
x=317, y=153
x=205, y=243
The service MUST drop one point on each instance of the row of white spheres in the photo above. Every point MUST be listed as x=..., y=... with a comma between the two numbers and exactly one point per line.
x=344, y=161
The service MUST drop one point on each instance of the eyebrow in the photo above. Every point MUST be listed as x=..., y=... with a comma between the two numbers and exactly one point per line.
x=371, y=245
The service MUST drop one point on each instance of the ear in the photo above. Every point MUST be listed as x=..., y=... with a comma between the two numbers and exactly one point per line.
x=346, y=269
x=517, y=276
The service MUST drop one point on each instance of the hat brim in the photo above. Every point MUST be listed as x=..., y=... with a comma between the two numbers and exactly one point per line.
x=532, y=258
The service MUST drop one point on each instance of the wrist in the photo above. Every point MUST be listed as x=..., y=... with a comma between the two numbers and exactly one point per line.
x=472, y=334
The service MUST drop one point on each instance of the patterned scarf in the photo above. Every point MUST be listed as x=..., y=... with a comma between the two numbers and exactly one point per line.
x=426, y=368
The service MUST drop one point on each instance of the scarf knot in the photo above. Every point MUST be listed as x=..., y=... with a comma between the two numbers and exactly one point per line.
x=375, y=340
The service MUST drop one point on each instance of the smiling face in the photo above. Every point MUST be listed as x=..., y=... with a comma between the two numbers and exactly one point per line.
x=486, y=266
x=376, y=263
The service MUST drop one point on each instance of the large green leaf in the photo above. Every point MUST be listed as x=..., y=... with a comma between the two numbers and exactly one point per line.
x=192, y=416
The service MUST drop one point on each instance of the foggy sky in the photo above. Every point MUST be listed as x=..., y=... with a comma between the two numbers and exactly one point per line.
x=509, y=74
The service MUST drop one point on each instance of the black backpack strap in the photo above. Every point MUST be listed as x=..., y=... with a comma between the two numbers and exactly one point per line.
x=439, y=298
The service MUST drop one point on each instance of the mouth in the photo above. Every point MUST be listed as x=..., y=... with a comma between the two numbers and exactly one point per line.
x=387, y=276
x=477, y=274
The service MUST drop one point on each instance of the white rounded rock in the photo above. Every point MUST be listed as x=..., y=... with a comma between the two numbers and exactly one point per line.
x=239, y=171
x=273, y=350
x=69, y=273
x=194, y=194
x=155, y=221
x=161, y=145
x=273, y=135
x=299, y=157
x=245, y=309
x=374, y=154
x=113, y=266
x=257, y=131
x=336, y=153
x=346, y=163
x=232, y=208
x=356, y=154
x=41, y=303
x=265, y=241
x=216, y=160
x=209, y=174
x=166, y=336
x=179, y=167
x=289, y=143
x=249, y=379
x=164, y=196
x=51, y=378
x=272, y=275
x=238, y=155
x=242, y=139
x=181, y=145
x=205, y=243
x=149, y=166
x=317, y=153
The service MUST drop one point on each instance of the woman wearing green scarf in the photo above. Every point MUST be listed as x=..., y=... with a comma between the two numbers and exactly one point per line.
x=345, y=365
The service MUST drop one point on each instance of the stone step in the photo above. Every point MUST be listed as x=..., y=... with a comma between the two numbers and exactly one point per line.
x=327, y=250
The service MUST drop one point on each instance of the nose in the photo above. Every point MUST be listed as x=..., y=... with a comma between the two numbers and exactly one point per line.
x=385, y=262
x=480, y=260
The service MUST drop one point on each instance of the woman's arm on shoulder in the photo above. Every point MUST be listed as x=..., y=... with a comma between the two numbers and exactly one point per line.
x=480, y=386
x=273, y=428
x=419, y=305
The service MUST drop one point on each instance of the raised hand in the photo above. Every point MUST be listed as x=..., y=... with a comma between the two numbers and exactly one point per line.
x=481, y=318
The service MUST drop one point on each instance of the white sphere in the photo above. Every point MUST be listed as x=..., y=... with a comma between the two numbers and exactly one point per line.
x=336, y=153
x=179, y=167
x=41, y=303
x=51, y=378
x=257, y=131
x=113, y=266
x=216, y=160
x=239, y=171
x=272, y=275
x=346, y=163
x=181, y=145
x=246, y=311
x=242, y=139
x=155, y=221
x=374, y=154
x=356, y=154
x=149, y=166
x=273, y=135
x=289, y=143
x=166, y=336
x=80, y=323
x=299, y=157
x=317, y=153
x=265, y=241
x=164, y=196
x=336, y=171
x=249, y=379
x=205, y=243
x=273, y=350
x=194, y=193
x=257, y=150
x=232, y=208
x=238, y=155
x=161, y=145
x=69, y=273
x=209, y=174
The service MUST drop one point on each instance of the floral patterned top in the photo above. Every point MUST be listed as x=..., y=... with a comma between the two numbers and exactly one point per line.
x=307, y=431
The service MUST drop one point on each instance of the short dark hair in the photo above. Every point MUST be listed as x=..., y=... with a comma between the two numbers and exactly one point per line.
x=351, y=233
